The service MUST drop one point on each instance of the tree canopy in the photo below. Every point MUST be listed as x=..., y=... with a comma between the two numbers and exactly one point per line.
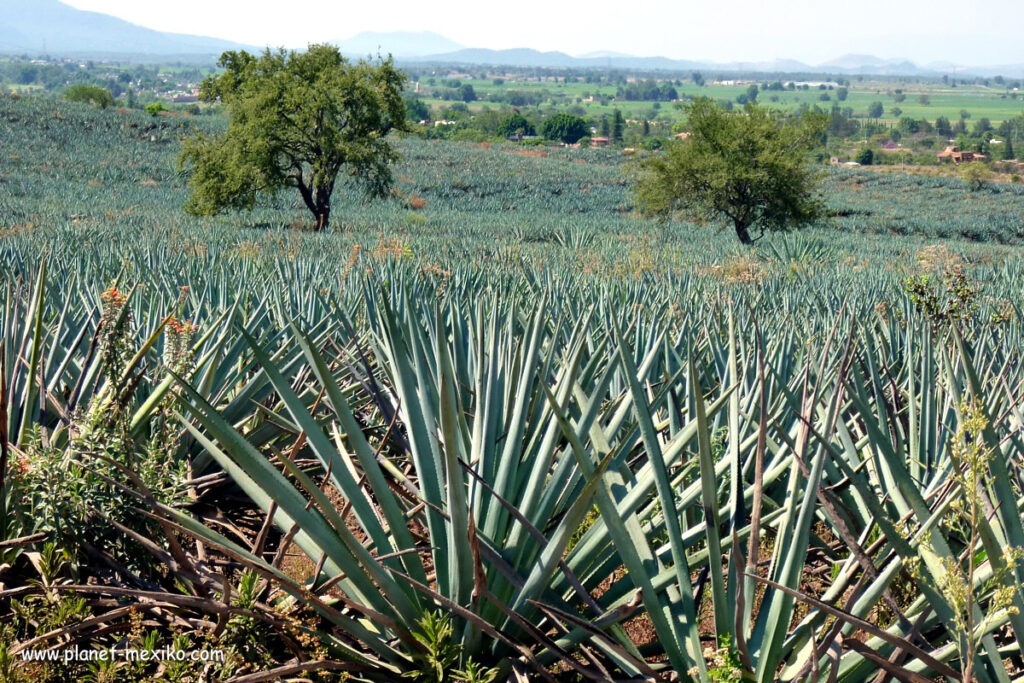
x=515, y=125
x=297, y=120
x=92, y=94
x=749, y=167
x=568, y=128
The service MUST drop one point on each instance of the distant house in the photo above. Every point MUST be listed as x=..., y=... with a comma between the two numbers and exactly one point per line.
x=682, y=136
x=890, y=146
x=956, y=155
x=600, y=142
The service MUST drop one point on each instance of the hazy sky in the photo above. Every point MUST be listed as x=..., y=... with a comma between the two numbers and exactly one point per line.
x=978, y=32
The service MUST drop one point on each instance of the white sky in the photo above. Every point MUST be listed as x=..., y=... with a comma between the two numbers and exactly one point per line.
x=973, y=33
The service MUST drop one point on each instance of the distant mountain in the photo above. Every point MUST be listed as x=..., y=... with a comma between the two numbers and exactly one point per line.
x=50, y=26
x=869, y=64
x=528, y=57
x=512, y=57
x=847, y=64
x=397, y=43
x=603, y=54
x=37, y=26
x=855, y=62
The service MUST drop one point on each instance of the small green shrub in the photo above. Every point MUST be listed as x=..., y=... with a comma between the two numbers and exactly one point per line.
x=90, y=94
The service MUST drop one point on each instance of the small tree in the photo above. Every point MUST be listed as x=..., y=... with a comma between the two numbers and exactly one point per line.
x=976, y=175
x=865, y=157
x=565, y=127
x=91, y=94
x=297, y=120
x=750, y=168
x=516, y=125
x=416, y=109
x=618, y=125
x=875, y=110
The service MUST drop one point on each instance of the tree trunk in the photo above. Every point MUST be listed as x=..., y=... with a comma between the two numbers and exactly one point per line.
x=741, y=232
x=323, y=218
x=322, y=206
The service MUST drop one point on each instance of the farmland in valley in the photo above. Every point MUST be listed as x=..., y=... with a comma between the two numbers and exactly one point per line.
x=482, y=396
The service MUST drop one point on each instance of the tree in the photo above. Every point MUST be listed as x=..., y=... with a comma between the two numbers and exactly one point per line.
x=943, y=127
x=296, y=120
x=516, y=125
x=467, y=93
x=697, y=78
x=618, y=124
x=875, y=110
x=842, y=94
x=750, y=168
x=416, y=109
x=1008, y=153
x=976, y=175
x=865, y=157
x=91, y=94
x=565, y=127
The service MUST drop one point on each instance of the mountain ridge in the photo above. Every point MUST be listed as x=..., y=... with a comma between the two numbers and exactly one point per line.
x=53, y=27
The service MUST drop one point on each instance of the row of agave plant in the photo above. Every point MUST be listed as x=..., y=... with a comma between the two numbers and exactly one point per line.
x=571, y=484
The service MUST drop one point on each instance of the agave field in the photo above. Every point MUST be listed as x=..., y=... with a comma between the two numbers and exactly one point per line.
x=498, y=427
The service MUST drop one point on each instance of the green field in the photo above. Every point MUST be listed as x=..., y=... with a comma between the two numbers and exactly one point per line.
x=995, y=103
x=499, y=399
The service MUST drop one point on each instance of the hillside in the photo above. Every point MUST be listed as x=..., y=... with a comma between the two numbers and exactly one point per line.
x=397, y=43
x=52, y=27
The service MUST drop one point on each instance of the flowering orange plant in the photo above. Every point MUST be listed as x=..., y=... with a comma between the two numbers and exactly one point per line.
x=113, y=295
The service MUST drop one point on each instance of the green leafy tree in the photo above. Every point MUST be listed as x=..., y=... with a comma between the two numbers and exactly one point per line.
x=875, y=110
x=416, y=109
x=516, y=125
x=606, y=130
x=467, y=93
x=976, y=175
x=618, y=125
x=1008, y=151
x=750, y=168
x=90, y=94
x=865, y=157
x=842, y=94
x=297, y=120
x=568, y=128
x=698, y=79
x=943, y=127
